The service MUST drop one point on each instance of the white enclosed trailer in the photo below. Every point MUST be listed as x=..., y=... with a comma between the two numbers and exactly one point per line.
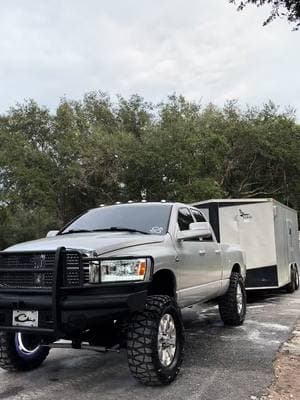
x=267, y=232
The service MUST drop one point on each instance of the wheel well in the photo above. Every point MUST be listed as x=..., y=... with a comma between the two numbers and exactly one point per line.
x=236, y=268
x=163, y=282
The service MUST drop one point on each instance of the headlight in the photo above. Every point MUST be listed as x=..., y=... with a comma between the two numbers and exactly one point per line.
x=117, y=270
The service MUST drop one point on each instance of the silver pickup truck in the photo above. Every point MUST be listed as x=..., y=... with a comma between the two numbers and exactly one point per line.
x=117, y=276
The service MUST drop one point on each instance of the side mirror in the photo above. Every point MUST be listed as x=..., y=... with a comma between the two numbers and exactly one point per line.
x=197, y=230
x=51, y=234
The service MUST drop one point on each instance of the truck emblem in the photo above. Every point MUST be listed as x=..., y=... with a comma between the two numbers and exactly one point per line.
x=39, y=279
x=39, y=261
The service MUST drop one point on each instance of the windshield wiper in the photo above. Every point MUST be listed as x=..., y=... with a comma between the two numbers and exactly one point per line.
x=76, y=231
x=111, y=229
x=120, y=229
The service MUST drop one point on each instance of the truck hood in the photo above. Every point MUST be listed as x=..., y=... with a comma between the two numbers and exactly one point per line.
x=100, y=243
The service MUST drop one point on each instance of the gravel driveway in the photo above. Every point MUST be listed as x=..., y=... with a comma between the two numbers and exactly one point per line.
x=220, y=363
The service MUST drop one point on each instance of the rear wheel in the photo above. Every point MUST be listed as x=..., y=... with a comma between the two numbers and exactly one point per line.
x=21, y=351
x=233, y=304
x=155, y=342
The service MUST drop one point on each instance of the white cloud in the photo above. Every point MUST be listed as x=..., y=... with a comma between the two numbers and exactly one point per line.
x=198, y=48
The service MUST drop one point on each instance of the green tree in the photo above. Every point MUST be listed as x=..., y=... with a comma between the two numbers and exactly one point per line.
x=54, y=166
x=289, y=9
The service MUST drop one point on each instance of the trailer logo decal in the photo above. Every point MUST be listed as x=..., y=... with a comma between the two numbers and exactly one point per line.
x=246, y=217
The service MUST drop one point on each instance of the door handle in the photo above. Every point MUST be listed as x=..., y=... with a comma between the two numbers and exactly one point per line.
x=218, y=251
x=202, y=252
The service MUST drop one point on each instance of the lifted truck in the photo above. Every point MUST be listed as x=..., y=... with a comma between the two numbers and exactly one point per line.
x=117, y=276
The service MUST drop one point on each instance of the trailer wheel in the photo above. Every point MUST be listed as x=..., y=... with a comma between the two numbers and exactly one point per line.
x=297, y=279
x=233, y=305
x=292, y=286
x=21, y=352
x=155, y=342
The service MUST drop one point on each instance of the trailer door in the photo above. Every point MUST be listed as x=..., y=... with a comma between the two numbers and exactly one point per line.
x=290, y=247
x=252, y=227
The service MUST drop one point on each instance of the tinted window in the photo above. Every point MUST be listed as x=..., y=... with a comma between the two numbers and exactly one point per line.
x=198, y=216
x=151, y=218
x=184, y=219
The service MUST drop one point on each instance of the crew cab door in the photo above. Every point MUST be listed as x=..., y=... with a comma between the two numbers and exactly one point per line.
x=200, y=269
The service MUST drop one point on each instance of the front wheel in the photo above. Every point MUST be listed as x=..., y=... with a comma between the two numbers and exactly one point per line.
x=155, y=342
x=233, y=304
x=21, y=351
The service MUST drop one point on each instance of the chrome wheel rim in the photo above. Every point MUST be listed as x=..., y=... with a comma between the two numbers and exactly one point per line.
x=239, y=298
x=166, y=340
x=26, y=346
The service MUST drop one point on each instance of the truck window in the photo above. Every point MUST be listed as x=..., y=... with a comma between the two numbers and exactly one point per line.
x=184, y=219
x=198, y=216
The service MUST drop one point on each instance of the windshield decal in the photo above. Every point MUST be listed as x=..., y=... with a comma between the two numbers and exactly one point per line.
x=157, y=230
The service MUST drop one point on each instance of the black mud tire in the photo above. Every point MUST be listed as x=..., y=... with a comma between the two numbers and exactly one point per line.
x=142, y=342
x=297, y=280
x=228, y=304
x=12, y=361
x=292, y=286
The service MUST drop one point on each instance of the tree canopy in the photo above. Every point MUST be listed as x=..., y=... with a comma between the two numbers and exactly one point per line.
x=289, y=9
x=54, y=165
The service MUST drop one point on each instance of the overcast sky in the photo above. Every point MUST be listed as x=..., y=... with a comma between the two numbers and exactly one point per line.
x=202, y=49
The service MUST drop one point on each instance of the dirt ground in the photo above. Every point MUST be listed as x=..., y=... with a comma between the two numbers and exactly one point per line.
x=286, y=385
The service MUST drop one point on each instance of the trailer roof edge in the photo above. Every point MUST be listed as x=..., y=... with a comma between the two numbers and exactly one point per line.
x=244, y=200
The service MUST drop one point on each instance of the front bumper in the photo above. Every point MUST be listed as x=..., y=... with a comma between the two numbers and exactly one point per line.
x=63, y=311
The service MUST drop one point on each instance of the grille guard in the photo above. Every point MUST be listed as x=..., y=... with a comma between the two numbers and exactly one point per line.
x=58, y=291
x=55, y=291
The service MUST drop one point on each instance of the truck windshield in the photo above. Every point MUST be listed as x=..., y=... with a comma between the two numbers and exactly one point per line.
x=140, y=218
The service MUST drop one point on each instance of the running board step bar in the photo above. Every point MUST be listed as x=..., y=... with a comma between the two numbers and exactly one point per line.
x=83, y=346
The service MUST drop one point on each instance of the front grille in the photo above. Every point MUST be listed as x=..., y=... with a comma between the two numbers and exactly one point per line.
x=72, y=271
x=35, y=270
x=27, y=260
x=86, y=271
